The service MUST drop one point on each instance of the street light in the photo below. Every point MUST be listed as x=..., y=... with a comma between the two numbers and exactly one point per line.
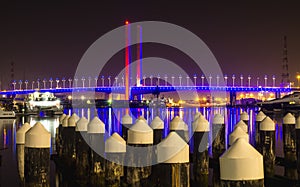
x=257, y=82
x=195, y=80
x=51, y=81
x=20, y=83
x=96, y=81
x=123, y=84
x=64, y=82
x=218, y=77
x=187, y=80
x=26, y=84
x=274, y=79
x=38, y=83
x=116, y=80
x=210, y=77
x=57, y=81
x=242, y=78
x=166, y=80
x=44, y=81
x=83, y=80
x=266, y=80
x=102, y=79
x=76, y=81
x=70, y=82
x=225, y=77
x=144, y=80
x=180, y=77
x=32, y=85
x=151, y=77
x=14, y=84
x=109, y=81
x=172, y=80
x=249, y=80
x=89, y=81
x=158, y=77
x=202, y=80
x=233, y=78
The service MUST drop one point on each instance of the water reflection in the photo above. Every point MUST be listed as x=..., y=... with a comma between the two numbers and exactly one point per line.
x=112, y=118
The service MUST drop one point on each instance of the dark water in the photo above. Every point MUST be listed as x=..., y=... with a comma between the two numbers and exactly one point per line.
x=111, y=117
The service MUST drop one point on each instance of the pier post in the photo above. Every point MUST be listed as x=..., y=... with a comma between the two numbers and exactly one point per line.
x=200, y=154
x=173, y=159
x=245, y=117
x=242, y=125
x=20, y=142
x=179, y=126
x=289, y=145
x=37, y=156
x=82, y=151
x=218, y=130
x=298, y=145
x=68, y=137
x=126, y=123
x=241, y=165
x=96, y=131
x=267, y=145
x=218, y=144
x=236, y=134
x=140, y=135
x=259, y=117
x=115, y=149
x=58, y=136
x=158, y=127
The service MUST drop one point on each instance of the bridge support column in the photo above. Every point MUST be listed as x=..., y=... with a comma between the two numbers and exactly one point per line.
x=277, y=94
x=232, y=98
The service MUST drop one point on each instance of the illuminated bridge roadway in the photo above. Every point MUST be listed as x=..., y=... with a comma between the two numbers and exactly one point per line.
x=138, y=90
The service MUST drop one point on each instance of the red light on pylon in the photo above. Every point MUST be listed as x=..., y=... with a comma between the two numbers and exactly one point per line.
x=126, y=22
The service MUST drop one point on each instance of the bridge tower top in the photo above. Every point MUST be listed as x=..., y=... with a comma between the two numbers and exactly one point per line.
x=285, y=76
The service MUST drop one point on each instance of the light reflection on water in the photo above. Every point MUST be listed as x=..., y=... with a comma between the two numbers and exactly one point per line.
x=112, y=118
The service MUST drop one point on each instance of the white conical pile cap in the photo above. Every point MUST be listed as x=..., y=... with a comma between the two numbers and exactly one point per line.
x=140, y=133
x=20, y=137
x=218, y=119
x=289, y=119
x=115, y=144
x=96, y=126
x=260, y=116
x=197, y=115
x=82, y=124
x=267, y=125
x=157, y=123
x=298, y=123
x=126, y=119
x=76, y=117
x=242, y=125
x=244, y=116
x=173, y=149
x=37, y=137
x=141, y=118
x=201, y=124
x=238, y=133
x=177, y=124
x=72, y=121
x=241, y=162
x=61, y=118
x=65, y=122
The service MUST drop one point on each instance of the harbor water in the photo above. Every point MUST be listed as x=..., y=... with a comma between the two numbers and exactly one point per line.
x=9, y=175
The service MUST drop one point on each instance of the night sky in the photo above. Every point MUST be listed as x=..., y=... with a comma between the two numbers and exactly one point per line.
x=48, y=39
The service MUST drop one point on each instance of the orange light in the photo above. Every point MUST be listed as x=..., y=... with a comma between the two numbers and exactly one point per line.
x=126, y=22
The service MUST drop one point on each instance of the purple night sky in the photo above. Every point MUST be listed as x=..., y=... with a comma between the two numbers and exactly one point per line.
x=47, y=39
